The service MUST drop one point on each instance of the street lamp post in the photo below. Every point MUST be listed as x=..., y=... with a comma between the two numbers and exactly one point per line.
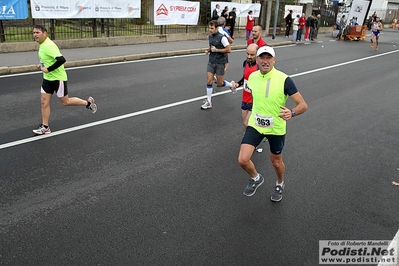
x=275, y=19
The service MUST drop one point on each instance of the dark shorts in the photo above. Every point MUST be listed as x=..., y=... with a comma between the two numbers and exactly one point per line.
x=217, y=69
x=246, y=106
x=57, y=86
x=253, y=137
x=376, y=33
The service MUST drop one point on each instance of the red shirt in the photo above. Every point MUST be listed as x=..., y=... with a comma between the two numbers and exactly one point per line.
x=246, y=93
x=302, y=22
x=260, y=42
x=250, y=22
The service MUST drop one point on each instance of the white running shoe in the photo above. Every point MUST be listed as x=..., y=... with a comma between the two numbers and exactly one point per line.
x=92, y=107
x=41, y=130
x=206, y=105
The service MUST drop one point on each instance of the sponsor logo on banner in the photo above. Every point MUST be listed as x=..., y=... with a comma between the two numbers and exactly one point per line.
x=81, y=8
x=176, y=12
x=85, y=8
x=13, y=9
x=183, y=8
x=132, y=9
x=162, y=10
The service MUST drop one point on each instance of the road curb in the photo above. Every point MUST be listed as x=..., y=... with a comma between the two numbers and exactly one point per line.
x=114, y=59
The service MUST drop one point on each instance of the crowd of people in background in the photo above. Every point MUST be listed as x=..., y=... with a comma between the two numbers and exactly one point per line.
x=309, y=27
x=229, y=16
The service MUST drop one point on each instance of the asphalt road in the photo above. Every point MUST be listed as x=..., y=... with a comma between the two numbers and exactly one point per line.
x=131, y=185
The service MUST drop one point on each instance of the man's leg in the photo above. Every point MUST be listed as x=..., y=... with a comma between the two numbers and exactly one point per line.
x=45, y=106
x=74, y=101
x=279, y=166
x=376, y=41
x=209, y=87
x=244, y=159
x=245, y=116
x=371, y=40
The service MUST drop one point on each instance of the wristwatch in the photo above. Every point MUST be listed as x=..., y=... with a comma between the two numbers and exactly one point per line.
x=293, y=113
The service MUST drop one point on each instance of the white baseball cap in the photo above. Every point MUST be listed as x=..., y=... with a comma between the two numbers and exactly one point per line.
x=266, y=49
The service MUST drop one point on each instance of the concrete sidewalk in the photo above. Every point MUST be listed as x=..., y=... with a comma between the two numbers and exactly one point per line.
x=21, y=62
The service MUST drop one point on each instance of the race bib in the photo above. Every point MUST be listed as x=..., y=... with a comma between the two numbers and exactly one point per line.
x=264, y=121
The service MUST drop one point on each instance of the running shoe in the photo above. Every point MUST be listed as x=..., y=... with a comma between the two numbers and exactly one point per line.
x=41, y=130
x=278, y=193
x=376, y=48
x=233, y=87
x=372, y=45
x=92, y=107
x=253, y=185
x=206, y=105
x=215, y=79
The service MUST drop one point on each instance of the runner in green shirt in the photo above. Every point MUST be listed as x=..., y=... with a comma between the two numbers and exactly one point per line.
x=54, y=79
x=270, y=90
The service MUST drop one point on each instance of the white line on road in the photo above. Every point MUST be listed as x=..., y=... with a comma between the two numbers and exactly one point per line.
x=117, y=118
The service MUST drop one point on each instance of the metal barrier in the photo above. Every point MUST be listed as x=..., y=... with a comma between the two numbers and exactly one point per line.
x=21, y=30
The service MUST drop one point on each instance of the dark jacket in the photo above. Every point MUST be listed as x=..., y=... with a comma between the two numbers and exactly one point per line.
x=288, y=19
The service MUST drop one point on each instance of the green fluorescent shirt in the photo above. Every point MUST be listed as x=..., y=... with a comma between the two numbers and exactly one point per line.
x=268, y=95
x=48, y=51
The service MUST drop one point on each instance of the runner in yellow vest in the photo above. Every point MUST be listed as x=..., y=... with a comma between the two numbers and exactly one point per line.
x=270, y=90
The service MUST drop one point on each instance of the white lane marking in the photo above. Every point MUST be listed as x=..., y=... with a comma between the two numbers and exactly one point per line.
x=109, y=120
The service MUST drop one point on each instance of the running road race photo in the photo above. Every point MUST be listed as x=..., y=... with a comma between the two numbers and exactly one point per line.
x=350, y=252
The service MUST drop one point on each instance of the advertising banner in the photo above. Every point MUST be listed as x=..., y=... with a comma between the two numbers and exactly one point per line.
x=296, y=10
x=13, y=9
x=242, y=9
x=85, y=8
x=176, y=12
x=358, y=11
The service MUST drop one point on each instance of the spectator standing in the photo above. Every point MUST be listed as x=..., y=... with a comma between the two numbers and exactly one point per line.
x=288, y=21
x=231, y=21
x=307, y=28
x=318, y=18
x=225, y=12
x=341, y=26
x=302, y=23
x=295, y=28
x=313, y=26
x=216, y=13
x=249, y=25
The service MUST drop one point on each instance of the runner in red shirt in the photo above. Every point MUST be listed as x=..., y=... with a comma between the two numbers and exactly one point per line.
x=249, y=66
x=257, y=37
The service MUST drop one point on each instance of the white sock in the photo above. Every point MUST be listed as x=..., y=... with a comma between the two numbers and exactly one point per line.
x=282, y=184
x=256, y=178
x=209, y=94
x=227, y=84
